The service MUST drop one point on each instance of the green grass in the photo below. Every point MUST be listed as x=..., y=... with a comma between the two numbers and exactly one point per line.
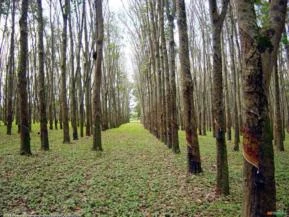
x=136, y=175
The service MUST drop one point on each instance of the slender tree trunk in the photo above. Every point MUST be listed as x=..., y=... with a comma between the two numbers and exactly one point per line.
x=283, y=100
x=166, y=92
x=152, y=70
x=203, y=120
x=42, y=95
x=78, y=73
x=4, y=93
x=60, y=112
x=51, y=90
x=81, y=106
x=227, y=95
x=30, y=103
x=53, y=80
x=194, y=159
x=22, y=81
x=9, y=118
x=87, y=81
x=65, y=120
x=173, y=106
x=17, y=109
x=97, y=144
x=158, y=72
x=73, y=83
x=219, y=113
x=278, y=134
x=230, y=29
x=33, y=106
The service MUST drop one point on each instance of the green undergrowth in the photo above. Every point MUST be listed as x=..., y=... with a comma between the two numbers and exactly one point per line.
x=136, y=175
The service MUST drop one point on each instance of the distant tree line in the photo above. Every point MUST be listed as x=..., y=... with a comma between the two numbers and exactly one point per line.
x=61, y=67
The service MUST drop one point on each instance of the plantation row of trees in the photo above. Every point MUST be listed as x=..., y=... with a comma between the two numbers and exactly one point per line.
x=232, y=74
x=61, y=66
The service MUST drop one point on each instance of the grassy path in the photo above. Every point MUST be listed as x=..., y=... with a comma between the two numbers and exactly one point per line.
x=136, y=175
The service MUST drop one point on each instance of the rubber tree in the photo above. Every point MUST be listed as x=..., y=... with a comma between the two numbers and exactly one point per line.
x=218, y=97
x=41, y=80
x=97, y=144
x=193, y=151
x=10, y=73
x=171, y=14
x=65, y=11
x=259, y=47
x=22, y=81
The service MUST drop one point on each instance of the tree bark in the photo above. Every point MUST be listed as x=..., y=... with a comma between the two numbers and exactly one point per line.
x=42, y=94
x=230, y=29
x=158, y=72
x=219, y=113
x=87, y=80
x=22, y=81
x=97, y=144
x=228, y=118
x=65, y=120
x=167, y=131
x=11, y=68
x=172, y=67
x=78, y=73
x=51, y=90
x=278, y=134
x=194, y=159
x=73, y=84
x=259, y=54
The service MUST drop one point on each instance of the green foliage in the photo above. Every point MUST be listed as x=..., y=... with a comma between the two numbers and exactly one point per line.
x=264, y=43
x=262, y=11
x=136, y=175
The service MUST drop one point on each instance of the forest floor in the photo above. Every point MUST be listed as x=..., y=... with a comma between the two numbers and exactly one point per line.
x=136, y=175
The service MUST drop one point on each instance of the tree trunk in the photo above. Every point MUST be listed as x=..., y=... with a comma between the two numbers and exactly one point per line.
x=78, y=73
x=87, y=80
x=278, y=134
x=51, y=90
x=158, y=72
x=230, y=29
x=73, y=84
x=65, y=120
x=97, y=144
x=3, y=95
x=42, y=95
x=60, y=112
x=259, y=54
x=22, y=81
x=219, y=113
x=228, y=117
x=152, y=70
x=194, y=159
x=167, y=88
x=9, y=117
x=172, y=67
